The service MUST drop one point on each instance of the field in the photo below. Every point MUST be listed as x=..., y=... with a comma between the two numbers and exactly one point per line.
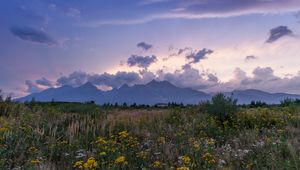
x=86, y=136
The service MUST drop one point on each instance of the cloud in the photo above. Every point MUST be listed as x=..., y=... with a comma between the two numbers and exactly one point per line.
x=195, y=57
x=297, y=15
x=52, y=7
x=278, y=32
x=77, y=78
x=250, y=57
x=115, y=80
x=44, y=82
x=198, y=9
x=73, y=12
x=144, y=46
x=32, y=87
x=183, y=50
x=189, y=77
x=262, y=78
x=141, y=61
x=33, y=35
x=149, y=2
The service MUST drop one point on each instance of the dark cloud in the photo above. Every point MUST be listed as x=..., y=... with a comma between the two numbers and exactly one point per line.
x=144, y=46
x=195, y=57
x=33, y=35
x=262, y=78
x=186, y=66
x=32, y=87
x=183, y=50
x=278, y=32
x=115, y=80
x=76, y=78
x=212, y=78
x=44, y=82
x=250, y=57
x=141, y=61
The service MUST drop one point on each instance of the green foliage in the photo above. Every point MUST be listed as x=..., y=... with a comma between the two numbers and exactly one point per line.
x=223, y=108
x=86, y=136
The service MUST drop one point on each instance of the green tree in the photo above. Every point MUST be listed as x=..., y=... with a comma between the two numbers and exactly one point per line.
x=222, y=107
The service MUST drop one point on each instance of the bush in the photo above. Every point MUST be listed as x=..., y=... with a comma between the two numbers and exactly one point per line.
x=222, y=108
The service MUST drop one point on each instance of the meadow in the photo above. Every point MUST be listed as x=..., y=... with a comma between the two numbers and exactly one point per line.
x=86, y=136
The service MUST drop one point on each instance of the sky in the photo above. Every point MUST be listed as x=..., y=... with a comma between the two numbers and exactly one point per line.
x=206, y=45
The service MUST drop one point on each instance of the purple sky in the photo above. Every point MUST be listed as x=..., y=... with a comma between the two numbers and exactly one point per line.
x=207, y=45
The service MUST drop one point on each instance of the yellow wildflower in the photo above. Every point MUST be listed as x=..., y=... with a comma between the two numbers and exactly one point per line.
x=123, y=134
x=196, y=145
x=35, y=161
x=209, y=158
x=78, y=164
x=183, y=168
x=33, y=149
x=3, y=129
x=211, y=141
x=64, y=142
x=186, y=159
x=156, y=164
x=249, y=165
x=101, y=141
x=161, y=140
x=103, y=153
x=90, y=164
x=280, y=131
x=121, y=160
x=142, y=154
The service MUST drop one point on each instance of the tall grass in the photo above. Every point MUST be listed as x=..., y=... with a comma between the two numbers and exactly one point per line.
x=87, y=136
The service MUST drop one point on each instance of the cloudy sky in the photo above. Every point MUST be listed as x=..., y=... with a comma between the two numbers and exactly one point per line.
x=207, y=45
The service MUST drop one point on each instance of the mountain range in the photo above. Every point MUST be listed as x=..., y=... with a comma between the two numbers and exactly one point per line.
x=151, y=93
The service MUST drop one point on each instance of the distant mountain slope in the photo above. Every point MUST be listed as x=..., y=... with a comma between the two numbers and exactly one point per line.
x=246, y=96
x=151, y=93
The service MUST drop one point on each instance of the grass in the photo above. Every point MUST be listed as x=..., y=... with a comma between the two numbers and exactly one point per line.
x=87, y=136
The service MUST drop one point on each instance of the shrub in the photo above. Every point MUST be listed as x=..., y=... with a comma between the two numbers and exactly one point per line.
x=221, y=107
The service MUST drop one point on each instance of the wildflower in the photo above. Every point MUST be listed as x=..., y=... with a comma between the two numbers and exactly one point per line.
x=90, y=164
x=280, y=131
x=101, y=141
x=103, y=153
x=121, y=160
x=64, y=142
x=196, y=145
x=132, y=142
x=156, y=164
x=209, y=158
x=268, y=140
x=123, y=134
x=3, y=129
x=211, y=141
x=249, y=165
x=161, y=140
x=35, y=161
x=33, y=149
x=183, y=168
x=186, y=159
x=78, y=164
x=142, y=154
